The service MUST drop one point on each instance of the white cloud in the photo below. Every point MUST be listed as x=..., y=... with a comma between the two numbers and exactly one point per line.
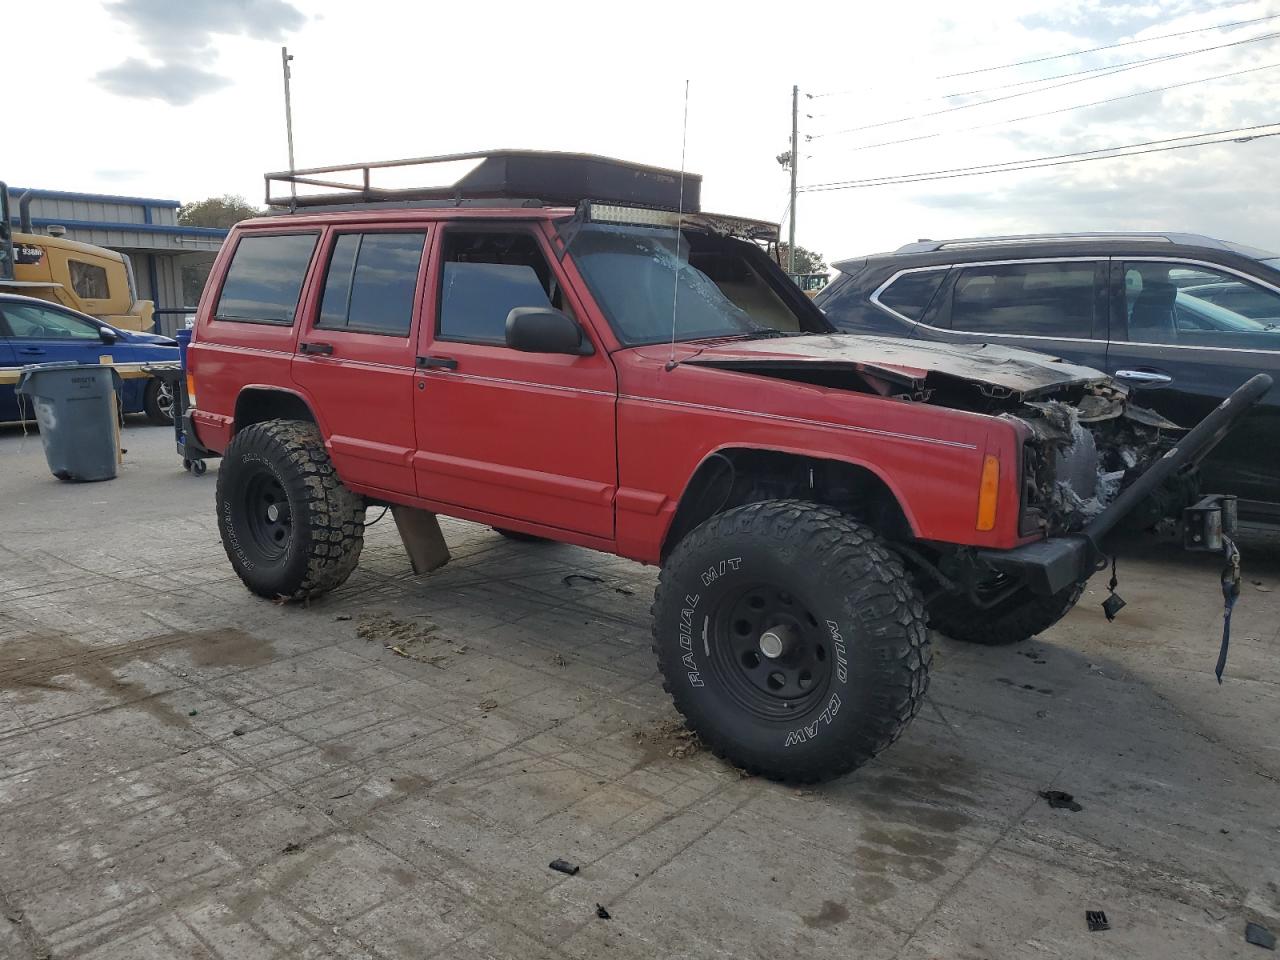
x=383, y=79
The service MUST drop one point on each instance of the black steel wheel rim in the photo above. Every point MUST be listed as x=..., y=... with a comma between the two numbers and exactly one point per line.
x=770, y=652
x=270, y=520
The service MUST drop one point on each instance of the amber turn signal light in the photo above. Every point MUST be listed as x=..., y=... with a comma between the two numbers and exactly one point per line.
x=988, y=493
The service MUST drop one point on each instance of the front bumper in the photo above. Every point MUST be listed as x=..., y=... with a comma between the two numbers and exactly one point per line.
x=1050, y=566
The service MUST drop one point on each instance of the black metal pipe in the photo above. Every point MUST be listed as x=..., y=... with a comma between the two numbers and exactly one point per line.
x=24, y=211
x=1192, y=448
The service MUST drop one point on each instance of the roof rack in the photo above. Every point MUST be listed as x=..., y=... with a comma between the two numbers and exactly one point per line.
x=526, y=177
x=931, y=246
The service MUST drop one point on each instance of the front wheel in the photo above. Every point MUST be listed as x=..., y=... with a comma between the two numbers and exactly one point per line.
x=791, y=639
x=290, y=527
x=1012, y=620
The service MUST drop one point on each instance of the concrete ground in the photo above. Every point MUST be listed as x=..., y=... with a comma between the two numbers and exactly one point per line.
x=187, y=771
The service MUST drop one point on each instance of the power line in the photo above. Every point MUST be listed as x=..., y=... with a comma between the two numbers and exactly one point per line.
x=1123, y=68
x=1062, y=56
x=1049, y=113
x=1110, y=46
x=1057, y=160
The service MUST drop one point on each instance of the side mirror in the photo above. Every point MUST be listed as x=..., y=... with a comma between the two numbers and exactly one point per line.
x=545, y=330
x=107, y=335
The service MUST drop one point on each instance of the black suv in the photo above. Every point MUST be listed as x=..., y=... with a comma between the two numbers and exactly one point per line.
x=1181, y=319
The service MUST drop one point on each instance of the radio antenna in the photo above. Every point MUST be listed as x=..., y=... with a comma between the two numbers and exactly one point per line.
x=675, y=274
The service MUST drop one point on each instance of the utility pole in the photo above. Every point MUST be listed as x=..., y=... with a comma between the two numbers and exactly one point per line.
x=795, y=162
x=285, y=57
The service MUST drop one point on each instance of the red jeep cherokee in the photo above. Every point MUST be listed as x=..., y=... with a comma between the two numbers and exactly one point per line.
x=565, y=347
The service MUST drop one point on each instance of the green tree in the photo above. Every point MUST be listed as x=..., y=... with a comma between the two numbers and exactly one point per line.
x=807, y=261
x=223, y=212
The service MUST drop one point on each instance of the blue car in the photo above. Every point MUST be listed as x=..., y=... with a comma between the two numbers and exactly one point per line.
x=37, y=331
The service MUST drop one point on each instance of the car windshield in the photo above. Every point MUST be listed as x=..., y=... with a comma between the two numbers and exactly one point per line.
x=650, y=291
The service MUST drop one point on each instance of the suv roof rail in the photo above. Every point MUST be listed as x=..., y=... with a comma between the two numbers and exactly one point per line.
x=526, y=177
x=932, y=246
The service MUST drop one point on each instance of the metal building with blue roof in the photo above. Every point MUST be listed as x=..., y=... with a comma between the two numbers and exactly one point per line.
x=145, y=228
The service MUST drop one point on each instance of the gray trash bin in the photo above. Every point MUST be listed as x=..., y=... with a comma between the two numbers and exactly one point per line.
x=73, y=406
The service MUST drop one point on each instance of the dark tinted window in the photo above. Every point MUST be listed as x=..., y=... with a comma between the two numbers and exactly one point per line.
x=1032, y=299
x=88, y=280
x=371, y=282
x=485, y=277
x=265, y=278
x=911, y=293
x=1195, y=306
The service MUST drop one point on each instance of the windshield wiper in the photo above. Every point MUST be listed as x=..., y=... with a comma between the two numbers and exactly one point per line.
x=764, y=334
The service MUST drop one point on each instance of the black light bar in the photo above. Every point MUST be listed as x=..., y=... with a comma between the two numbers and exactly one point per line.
x=740, y=227
x=550, y=177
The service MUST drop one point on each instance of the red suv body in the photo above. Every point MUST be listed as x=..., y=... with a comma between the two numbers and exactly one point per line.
x=648, y=382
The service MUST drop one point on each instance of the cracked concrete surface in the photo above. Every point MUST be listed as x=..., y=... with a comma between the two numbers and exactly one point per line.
x=189, y=771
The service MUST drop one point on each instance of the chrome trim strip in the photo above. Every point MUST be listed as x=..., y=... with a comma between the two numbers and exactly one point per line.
x=800, y=420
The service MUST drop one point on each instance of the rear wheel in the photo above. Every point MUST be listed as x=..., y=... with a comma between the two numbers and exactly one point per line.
x=289, y=526
x=791, y=639
x=1013, y=620
x=157, y=401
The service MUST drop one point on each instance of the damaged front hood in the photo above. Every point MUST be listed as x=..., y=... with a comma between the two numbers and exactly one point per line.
x=905, y=365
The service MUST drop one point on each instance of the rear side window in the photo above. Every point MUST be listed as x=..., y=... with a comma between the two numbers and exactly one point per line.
x=1028, y=299
x=371, y=283
x=485, y=277
x=265, y=278
x=88, y=280
x=911, y=294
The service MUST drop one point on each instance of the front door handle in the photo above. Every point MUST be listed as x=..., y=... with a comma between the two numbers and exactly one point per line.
x=325, y=348
x=1143, y=376
x=437, y=363
x=31, y=351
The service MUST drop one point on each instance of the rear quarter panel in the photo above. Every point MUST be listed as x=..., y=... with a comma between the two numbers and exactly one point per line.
x=225, y=357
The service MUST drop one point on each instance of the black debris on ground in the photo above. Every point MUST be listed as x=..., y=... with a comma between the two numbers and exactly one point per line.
x=1060, y=800
x=292, y=847
x=1259, y=936
x=568, y=579
x=1097, y=920
x=564, y=866
x=602, y=913
x=239, y=731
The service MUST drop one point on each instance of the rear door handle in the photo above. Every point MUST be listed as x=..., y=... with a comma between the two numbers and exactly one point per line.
x=30, y=351
x=437, y=363
x=325, y=348
x=1143, y=376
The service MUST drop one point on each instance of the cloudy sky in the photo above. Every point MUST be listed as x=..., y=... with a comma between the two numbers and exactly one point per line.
x=183, y=100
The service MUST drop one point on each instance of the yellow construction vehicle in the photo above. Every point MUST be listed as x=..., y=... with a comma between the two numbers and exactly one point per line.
x=84, y=277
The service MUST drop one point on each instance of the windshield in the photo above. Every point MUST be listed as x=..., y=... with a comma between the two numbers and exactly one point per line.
x=639, y=279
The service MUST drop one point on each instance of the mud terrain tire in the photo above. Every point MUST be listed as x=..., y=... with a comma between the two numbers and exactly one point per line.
x=290, y=527
x=843, y=614
x=1019, y=618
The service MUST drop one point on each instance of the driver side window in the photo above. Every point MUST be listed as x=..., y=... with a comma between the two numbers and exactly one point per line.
x=28, y=322
x=1191, y=305
x=484, y=276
